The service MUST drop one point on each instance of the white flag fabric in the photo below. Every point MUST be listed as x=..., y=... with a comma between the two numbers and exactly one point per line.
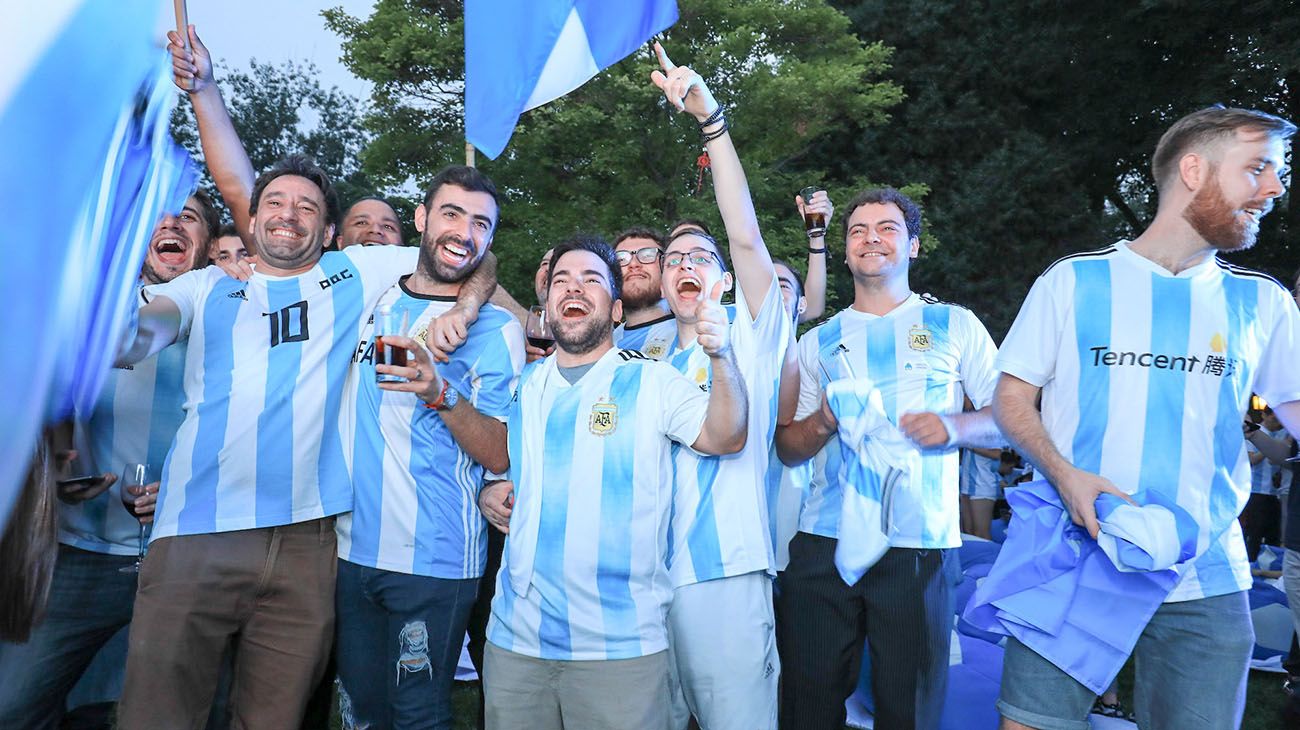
x=520, y=54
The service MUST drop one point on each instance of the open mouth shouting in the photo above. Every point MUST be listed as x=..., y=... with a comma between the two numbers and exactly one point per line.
x=171, y=248
x=574, y=309
x=689, y=287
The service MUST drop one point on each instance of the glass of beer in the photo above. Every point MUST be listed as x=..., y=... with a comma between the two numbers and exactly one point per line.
x=814, y=223
x=134, y=477
x=390, y=321
x=538, y=330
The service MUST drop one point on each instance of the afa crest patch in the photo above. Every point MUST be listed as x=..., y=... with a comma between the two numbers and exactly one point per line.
x=920, y=338
x=603, y=419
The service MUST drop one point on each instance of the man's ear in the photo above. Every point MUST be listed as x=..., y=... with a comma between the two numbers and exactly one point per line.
x=616, y=310
x=420, y=217
x=1192, y=169
x=913, y=247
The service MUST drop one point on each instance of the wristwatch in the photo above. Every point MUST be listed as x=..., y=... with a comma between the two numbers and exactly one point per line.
x=447, y=398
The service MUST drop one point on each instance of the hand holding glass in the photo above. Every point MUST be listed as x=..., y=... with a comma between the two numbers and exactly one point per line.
x=390, y=321
x=538, y=329
x=134, y=477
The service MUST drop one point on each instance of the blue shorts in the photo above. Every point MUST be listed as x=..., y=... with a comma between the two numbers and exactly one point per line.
x=1191, y=662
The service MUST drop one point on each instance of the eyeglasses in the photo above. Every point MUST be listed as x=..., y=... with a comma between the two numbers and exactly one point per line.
x=697, y=256
x=647, y=255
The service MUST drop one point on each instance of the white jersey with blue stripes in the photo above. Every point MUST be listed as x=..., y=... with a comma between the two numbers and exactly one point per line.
x=415, y=490
x=260, y=445
x=584, y=575
x=787, y=487
x=1146, y=377
x=656, y=339
x=719, y=523
x=923, y=356
x=134, y=420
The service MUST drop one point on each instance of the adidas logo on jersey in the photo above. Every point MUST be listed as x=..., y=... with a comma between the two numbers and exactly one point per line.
x=239, y=294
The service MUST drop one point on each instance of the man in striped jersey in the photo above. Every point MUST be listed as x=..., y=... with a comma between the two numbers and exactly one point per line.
x=922, y=355
x=1145, y=354
x=413, y=548
x=648, y=324
x=577, y=637
x=133, y=420
x=720, y=551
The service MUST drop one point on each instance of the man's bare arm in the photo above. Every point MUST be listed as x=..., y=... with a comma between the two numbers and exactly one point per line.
x=158, y=326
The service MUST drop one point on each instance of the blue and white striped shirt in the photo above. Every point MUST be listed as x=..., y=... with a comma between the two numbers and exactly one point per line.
x=923, y=356
x=584, y=575
x=1146, y=376
x=720, y=519
x=260, y=445
x=415, y=503
x=656, y=339
x=134, y=420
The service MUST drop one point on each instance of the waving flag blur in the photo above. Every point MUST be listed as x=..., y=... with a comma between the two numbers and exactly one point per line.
x=520, y=54
x=86, y=168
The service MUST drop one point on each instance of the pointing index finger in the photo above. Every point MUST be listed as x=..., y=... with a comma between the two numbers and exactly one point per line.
x=664, y=62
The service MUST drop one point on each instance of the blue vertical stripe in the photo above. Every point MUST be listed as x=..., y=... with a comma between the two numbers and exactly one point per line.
x=348, y=302
x=614, y=566
x=1162, y=448
x=882, y=362
x=367, y=460
x=199, y=515
x=1241, y=300
x=827, y=517
x=548, y=567
x=939, y=398
x=275, y=442
x=168, y=405
x=1092, y=299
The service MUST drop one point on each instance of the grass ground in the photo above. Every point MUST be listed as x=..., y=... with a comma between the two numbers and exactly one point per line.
x=1263, y=701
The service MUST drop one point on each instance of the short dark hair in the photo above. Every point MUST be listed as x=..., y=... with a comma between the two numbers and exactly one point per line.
x=302, y=166
x=211, y=216
x=723, y=254
x=593, y=244
x=466, y=178
x=641, y=232
x=911, y=211
x=377, y=198
x=797, y=280
x=691, y=223
x=227, y=229
x=1207, y=126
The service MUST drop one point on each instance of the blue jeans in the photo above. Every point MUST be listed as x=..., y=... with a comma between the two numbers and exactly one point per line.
x=399, y=640
x=1191, y=666
x=89, y=602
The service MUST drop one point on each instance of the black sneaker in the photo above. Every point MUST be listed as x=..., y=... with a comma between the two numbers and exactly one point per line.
x=1116, y=710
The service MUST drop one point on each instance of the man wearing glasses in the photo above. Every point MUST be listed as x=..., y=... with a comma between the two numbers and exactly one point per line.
x=647, y=325
x=720, y=549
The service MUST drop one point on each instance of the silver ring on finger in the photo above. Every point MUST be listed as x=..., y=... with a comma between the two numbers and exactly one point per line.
x=418, y=374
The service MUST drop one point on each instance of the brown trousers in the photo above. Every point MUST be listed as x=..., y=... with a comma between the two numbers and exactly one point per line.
x=267, y=593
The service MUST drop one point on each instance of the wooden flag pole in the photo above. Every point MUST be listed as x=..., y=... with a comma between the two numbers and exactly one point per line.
x=469, y=148
x=183, y=30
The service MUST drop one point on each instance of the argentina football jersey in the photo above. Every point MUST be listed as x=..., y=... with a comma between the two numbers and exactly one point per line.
x=264, y=374
x=134, y=419
x=924, y=355
x=592, y=469
x=415, y=507
x=720, y=512
x=1146, y=376
x=655, y=339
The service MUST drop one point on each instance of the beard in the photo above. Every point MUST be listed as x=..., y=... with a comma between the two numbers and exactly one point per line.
x=1216, y=221
x=437, y=269
x=281, y=255
x=580, y=338
x=640, y=295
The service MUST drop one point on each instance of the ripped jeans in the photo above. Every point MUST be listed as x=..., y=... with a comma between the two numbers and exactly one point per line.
x=399, y=639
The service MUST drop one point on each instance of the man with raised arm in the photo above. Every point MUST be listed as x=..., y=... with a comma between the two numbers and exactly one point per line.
x=720, y=554
x=1145, y=354
x=577, y=636
x=922, y=355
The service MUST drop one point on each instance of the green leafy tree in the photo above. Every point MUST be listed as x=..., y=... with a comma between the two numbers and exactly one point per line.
x=612, y=154
x=1033, y=124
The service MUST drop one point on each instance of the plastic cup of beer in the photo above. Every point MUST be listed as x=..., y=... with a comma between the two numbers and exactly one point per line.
x=390, y=321
x=814, y=223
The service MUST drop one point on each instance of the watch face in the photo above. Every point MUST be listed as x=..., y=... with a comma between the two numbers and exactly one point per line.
x=451, y=398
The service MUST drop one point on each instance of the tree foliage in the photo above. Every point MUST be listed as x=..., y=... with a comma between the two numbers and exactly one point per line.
x=612, y=154
x=1033, y=123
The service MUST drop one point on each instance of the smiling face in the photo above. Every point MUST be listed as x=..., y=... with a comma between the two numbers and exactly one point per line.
x=877, y=244
x=641, y=280
x=456, y=230
x=370, y=223
x=177, y=244
x=289, y=227
x=691, y=267
x=1238, y=191
x=580, y=303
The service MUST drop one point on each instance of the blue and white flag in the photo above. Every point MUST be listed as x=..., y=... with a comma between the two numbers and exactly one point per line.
x=84, y=152
x=521, y=54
